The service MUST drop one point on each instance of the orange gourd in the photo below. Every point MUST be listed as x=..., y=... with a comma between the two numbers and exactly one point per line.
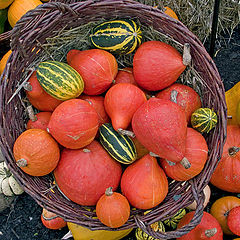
x=196, y=153
x=144, y=183
x=38, y=97
x=233, y=220
x=97, y=67
x=5, y=3
x=125, y=75
x=3, y=61
x=113, y=209
x=51, y=220
x=184, y=96
x=121, y=102
x=226, y=176
x=160, y=125
x=19, y=7
x=220, y=209
x=84, y=174
x=74, y=123
x=40, y=120
x=156, y=65
x=36, y=152
x=208, y=228
x=170, y=12
x=98, y=104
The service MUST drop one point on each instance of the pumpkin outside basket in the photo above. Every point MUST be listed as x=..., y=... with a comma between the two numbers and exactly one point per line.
x=29, y=39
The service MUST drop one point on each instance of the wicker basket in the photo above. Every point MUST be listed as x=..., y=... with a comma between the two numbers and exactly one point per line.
x=28, y=37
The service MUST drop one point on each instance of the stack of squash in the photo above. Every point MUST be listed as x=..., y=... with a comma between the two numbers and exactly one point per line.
x=113, y=138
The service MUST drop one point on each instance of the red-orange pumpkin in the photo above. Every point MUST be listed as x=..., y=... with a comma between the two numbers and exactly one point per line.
x=233, y=220
x=220, y=210
x=51, y=220
x=156, y=65
x=83, y=175
x=97, y=67
x=121, y=102
x=36, y=152
x=39, y=98
x=74, y=123
x=40, y=120
x=208, y=228
x=227, y=173
x=98, y=103
x=184, y=96
x=125, y=75
x=196, y=153
x=144, y=183
x=113, y=209
x=160, y=125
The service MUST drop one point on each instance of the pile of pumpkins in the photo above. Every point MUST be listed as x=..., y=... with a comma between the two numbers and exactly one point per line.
x=99, y=128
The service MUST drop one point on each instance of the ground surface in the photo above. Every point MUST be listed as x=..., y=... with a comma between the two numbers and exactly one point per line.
x=22, y=219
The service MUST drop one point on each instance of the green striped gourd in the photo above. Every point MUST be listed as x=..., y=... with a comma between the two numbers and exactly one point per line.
x=173, y=221
x=203, y=119
x=120, y=147
x=116, y=36
x=157, y=227
x=60, y=80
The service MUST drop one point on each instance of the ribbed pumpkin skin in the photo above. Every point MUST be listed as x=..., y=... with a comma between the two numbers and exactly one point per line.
x=74, y=123
x=39, y=149
x=117, y=36
x=39, y=98
x=156, y=65
x=196, y=153
x=97, y=67
x=84, y=176
x=160, y=126
x=226, y=176
x=121, y=102
x=19, y=7
x=41, y=121
x=198, y=233
x=60, y=80
x=120, y=147
x=187, y=98
x=144, y=183
x=204, y=119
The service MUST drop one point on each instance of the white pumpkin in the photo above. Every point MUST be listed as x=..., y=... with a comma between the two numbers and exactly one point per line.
x=8, y=184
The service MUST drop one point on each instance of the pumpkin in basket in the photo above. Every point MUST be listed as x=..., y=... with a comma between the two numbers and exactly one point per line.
x=36, y=152
x=5, y=3
x=74, y=123
x=125, y=75
x=84, y=174
x=38, y=97
x=39, y=120
x=97, y=67
x=196, y=153
x=156, y=65
x=4, y=60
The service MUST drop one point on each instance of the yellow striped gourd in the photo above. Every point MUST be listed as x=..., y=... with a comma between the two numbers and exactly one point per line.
x=116, y=36
x=204, y=119
x=120, y=147
x=173, y=221
x=60, y=80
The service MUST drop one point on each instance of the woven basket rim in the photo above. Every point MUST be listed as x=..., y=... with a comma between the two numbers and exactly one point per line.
x=35, y=23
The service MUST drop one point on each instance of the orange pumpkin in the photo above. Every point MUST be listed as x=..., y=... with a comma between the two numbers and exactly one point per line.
x=51, y=220
x=226, y=176
x=233, y=220
x=4, y=61
x=38, y=97
x=113, y=209
x=40, y=120
x=36, y=152
x=220, y=209
x=125, y=75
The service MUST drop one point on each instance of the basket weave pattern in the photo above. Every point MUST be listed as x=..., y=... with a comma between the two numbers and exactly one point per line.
x=27, y=37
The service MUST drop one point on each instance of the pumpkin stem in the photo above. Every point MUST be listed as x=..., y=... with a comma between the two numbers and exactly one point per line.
x=21, y=162
x=126, y=132
x=86, y=150
x=109, y=191
x=233, y=151
x=170, y=163
x=186, y=54
x=27, y=86
x=226, y=213
x=31, y=114
x=186, y=164
x=174, y=94
x=153, y=154
x=210, y=232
